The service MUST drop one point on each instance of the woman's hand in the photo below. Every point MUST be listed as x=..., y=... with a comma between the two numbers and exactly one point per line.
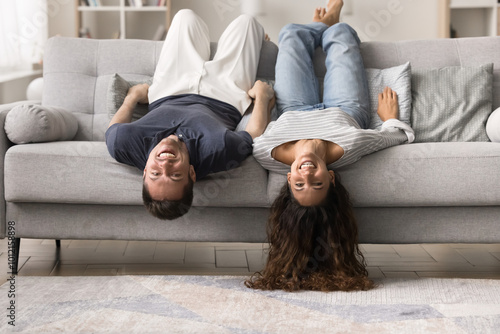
x=388, y=104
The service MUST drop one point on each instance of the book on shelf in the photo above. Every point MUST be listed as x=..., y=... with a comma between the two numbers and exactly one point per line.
x=136, y=3
x=142, y=3
x=91, y=3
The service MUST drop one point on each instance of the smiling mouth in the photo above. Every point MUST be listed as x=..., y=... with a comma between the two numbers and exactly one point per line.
x=167, y=155
x=307, y=164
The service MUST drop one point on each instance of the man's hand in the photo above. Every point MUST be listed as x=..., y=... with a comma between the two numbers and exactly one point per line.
x=139, y=93
x=262, y=91
x=136, y=94
x=388, y=105
x=264, y=100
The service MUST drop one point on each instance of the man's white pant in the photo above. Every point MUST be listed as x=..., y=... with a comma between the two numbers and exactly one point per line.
x=184, y=66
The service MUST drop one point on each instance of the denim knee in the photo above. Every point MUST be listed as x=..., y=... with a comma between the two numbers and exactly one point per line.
x=290, y=30
x=341, y=28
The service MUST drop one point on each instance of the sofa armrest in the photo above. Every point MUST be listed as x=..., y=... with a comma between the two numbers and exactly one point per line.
x=4, y=146
x=5, y=143
x=493, y=126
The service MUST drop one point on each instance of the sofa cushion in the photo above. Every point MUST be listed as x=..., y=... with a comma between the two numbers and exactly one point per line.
x=451, y=103
x=83, y=172
x=117, y=91
x=29, y=123
x=398, y=78
x=77, y=72
x=425, y=174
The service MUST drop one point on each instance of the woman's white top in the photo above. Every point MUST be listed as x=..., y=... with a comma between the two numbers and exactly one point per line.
x=331, y=124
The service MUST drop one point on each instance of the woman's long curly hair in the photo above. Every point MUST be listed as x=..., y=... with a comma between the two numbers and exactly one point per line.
x=313, y=247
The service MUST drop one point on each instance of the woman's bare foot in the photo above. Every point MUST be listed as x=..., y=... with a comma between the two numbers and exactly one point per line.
x=330, y=15
x=388, y=105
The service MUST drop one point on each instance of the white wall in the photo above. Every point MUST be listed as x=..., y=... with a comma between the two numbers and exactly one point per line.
x=392, y=20
x=384, y=20
x=62, y=17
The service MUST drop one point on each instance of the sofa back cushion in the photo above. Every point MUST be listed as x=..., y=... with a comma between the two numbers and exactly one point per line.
x=437, y=53
x=430, y=54
x=77, y=73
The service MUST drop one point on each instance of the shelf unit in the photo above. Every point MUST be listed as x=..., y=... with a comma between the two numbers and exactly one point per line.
x=472, y=18
x=121, y=9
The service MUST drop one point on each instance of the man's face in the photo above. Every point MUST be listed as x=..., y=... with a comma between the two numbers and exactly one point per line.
x=168, y=170
x=309, y=179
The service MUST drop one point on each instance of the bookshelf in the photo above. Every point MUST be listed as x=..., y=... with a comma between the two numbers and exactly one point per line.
x=113, y=18
x=472, y=18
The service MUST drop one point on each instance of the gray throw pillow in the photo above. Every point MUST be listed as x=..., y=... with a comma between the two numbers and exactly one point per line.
x=451, y=103
x=35, y=123
x=398, y=78
x=117, y=91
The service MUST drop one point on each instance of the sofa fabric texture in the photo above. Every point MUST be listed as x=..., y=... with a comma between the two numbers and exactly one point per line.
x=440, y=111
x=413, y=193
x=399, y=79
x=27, y=123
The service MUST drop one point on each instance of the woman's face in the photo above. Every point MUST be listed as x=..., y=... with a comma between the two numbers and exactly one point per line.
x=309, y=179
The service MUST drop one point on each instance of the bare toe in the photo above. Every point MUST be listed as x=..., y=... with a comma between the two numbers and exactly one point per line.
x=317, y=15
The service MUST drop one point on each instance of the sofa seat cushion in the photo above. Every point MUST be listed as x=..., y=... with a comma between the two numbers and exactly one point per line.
x=83, y=172
x=425, y=174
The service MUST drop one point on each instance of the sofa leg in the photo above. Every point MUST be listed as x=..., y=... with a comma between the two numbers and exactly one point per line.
x=58, y=243
x=15, y=257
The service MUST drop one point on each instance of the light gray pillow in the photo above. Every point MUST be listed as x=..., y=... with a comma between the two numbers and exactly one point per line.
x=451, y=103
x=398, y=78
x=117, y=91
x=35, y=123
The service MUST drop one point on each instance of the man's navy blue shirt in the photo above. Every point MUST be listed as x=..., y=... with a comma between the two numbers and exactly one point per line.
x=206, y=126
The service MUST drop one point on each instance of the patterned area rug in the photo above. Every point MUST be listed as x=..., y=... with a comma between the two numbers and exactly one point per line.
x=222, y=304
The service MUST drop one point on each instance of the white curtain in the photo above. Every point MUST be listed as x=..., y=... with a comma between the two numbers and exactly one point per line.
x=23, y=33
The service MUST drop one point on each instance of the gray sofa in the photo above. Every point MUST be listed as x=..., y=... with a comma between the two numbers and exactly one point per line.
x=445, y=192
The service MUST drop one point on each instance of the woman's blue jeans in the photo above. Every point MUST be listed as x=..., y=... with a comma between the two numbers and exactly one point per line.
x=345, y=83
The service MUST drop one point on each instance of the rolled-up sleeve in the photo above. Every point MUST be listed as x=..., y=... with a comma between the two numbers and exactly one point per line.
x=111, y=139
x=396, y=123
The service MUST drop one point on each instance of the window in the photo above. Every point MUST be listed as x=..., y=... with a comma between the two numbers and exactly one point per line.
x=23, y=33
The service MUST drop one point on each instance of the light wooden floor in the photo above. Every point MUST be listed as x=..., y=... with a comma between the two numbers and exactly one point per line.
x=91, y=257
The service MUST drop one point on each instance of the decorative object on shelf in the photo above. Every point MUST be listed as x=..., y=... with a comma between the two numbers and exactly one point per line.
x=160, y=33
x=35, y=89
x=84, y=33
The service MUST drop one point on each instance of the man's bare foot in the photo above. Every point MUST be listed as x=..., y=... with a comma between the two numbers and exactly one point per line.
x=330, y=15
x=388, y=105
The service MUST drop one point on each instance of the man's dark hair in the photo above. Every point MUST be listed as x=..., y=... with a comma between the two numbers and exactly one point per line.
x=169, y=209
